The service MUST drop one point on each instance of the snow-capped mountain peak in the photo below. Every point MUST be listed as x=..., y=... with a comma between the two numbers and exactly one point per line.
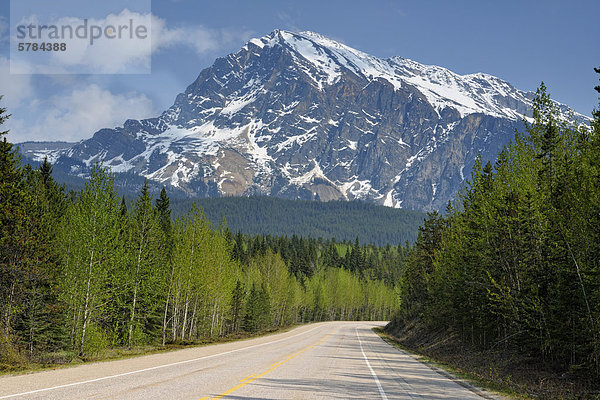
x=468, y=94
x=304, y=116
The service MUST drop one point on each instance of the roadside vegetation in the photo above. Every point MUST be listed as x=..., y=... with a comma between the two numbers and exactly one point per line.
x=508, y=279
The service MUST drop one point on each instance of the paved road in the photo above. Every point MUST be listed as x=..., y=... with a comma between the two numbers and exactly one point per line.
x=332, y=360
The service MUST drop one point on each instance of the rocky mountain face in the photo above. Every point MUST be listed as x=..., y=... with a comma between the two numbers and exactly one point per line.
x=298, y=115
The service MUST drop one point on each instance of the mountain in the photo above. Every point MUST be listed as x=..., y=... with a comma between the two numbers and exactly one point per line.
x=301, y=116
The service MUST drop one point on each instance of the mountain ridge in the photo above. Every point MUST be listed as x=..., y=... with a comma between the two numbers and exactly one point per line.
x=299, y=115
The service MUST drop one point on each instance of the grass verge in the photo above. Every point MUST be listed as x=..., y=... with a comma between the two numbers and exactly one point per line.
x=67, y=359
x=505, y=370
x=473, y=380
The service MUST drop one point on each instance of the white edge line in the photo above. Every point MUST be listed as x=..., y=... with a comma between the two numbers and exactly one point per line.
x=381, y=392
x=152, y=368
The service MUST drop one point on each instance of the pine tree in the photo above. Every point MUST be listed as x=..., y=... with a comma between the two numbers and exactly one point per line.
x=12, y=213
x=44, y=313
x=251, y=322
x=237, y=299
x=45, y=169
x=29, y=206
x=238, y=253
x=331, y=258
x=163, y=209
x=356, y=259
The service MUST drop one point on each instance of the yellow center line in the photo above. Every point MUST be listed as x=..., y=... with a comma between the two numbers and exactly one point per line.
x=252, y=378
x=248, y=377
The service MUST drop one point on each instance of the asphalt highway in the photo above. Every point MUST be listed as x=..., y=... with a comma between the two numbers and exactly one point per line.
x=330, y=360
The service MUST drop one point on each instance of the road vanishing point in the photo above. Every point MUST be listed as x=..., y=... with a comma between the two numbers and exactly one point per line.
x=329, y=360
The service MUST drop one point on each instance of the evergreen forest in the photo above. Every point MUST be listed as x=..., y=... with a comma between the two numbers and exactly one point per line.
x=513, y=266
x=343, y=220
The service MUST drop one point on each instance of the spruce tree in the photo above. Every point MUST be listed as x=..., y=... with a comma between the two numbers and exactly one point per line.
x=163, y=209
x=237, y=299
x=238, y=253
x=163, y=206
x=251, y=322
x=27, y=263
x=45, y=315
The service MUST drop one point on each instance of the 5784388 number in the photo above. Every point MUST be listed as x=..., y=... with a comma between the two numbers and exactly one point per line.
x=25, y=46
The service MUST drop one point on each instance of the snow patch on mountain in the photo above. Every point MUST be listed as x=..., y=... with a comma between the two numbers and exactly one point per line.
x=468, y=94
x=301, y=115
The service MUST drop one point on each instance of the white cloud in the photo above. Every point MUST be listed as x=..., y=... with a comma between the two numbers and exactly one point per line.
x=197, y=37
x=124, y=53
x=80, y=109
x=119, y=55
x=77, y=115
x=14, y=88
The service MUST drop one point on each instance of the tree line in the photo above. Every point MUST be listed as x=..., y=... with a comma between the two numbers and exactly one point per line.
x=307, y=256
x=84, y=271
x=514, y=262
x=344, y=220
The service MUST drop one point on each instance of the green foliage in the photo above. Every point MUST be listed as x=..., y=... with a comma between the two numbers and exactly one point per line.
x=92, y=249
x=237, y=299
x=144, y=270
x=96, y=341
x=419, y=269
x=257, y=316
x=30, y=204
x=344, y=220
x=514, y=263
x=305, y=256
x=163, y=208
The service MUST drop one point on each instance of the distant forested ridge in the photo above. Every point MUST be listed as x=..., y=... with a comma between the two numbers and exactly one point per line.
x=341, y=220
x=514, y=264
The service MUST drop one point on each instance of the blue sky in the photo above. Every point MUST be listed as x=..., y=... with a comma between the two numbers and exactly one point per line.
x=523, y=42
